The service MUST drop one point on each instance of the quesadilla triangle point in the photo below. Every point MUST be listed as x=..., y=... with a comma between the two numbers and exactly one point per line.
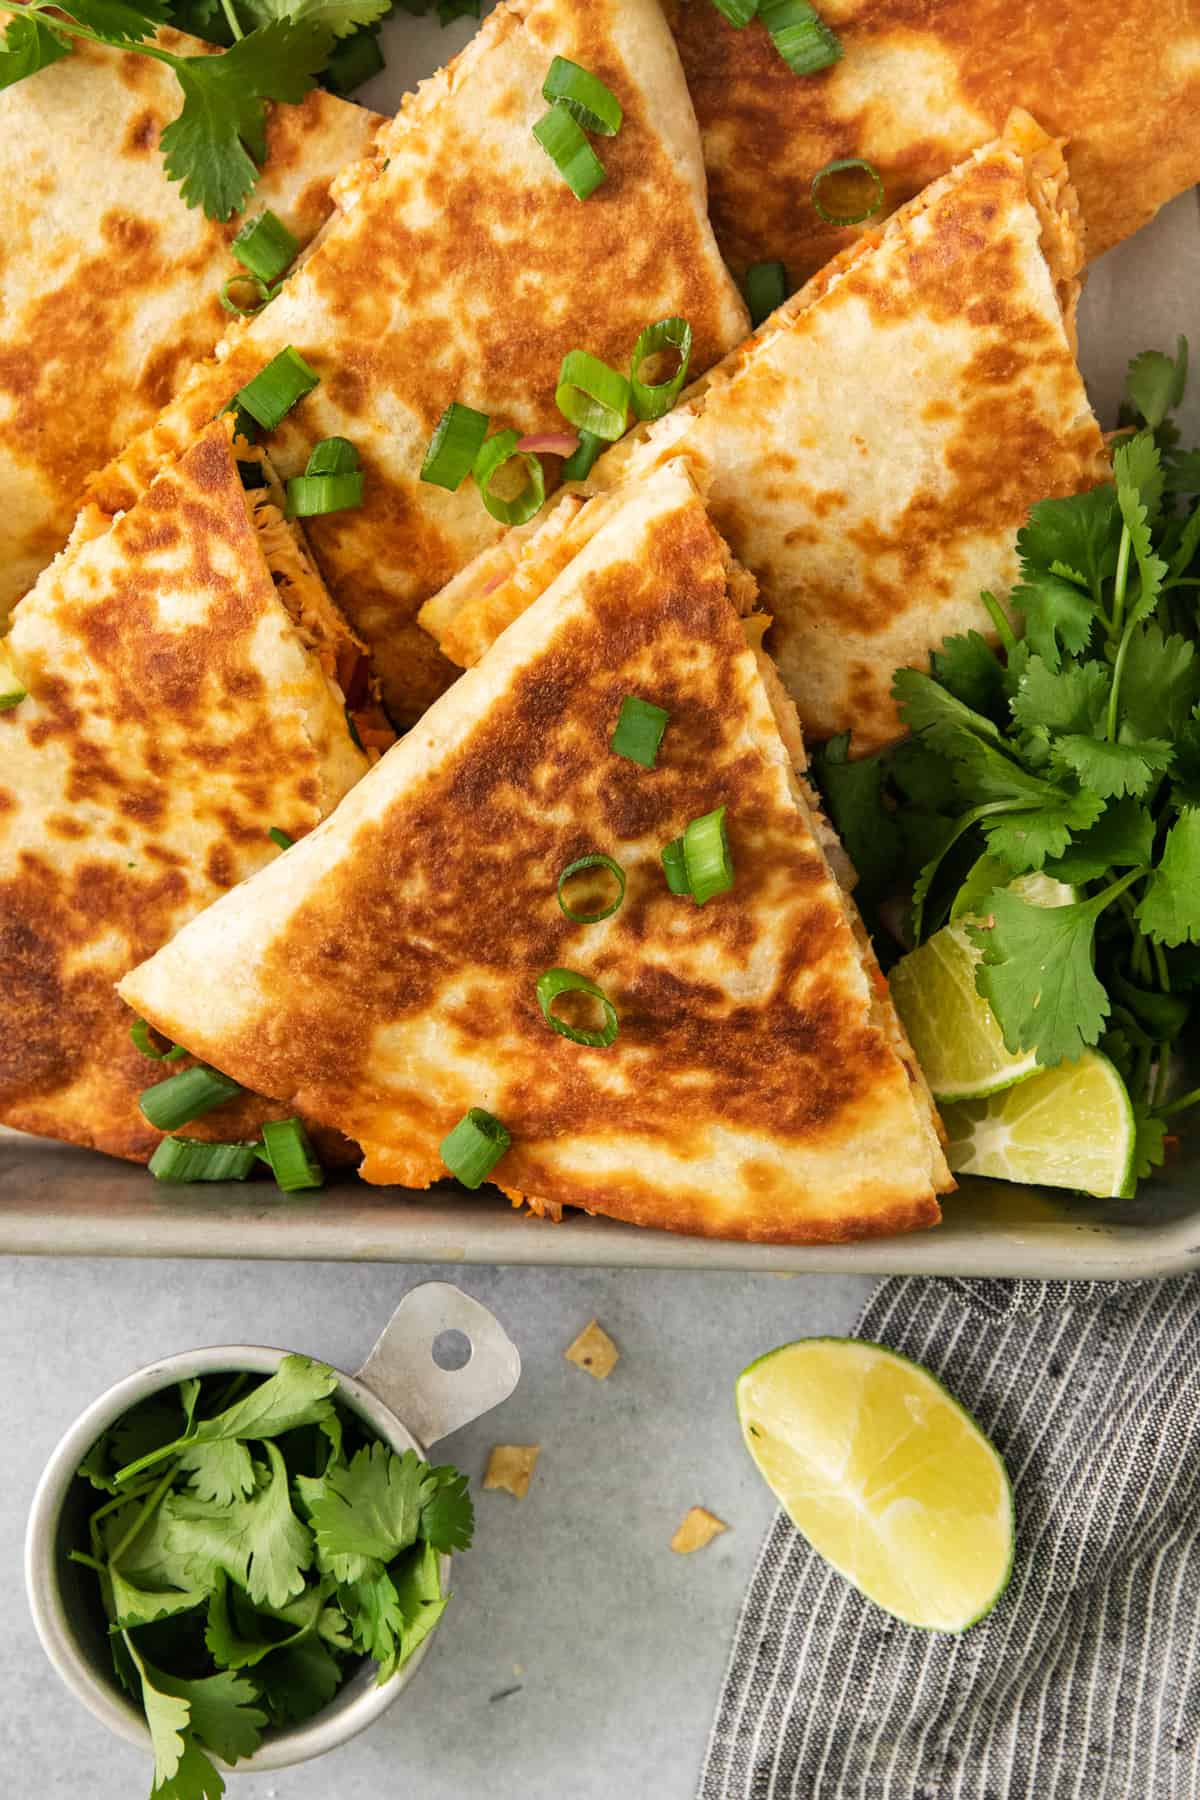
x=463, y=268
x=182, y=698
x=386, y=980
x=872, y=451
x=920, y=84
x=109, y=283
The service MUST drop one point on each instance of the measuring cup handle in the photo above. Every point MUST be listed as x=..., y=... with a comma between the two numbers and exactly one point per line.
x=433, y=1401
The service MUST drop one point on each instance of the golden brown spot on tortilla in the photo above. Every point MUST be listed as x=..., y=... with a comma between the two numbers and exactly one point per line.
x=142, y=135
x=219, y=866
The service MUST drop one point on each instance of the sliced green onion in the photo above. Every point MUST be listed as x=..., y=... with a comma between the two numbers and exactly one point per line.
x=494, y=456
x=252, y=475
x=247, y=281
x=639, y=731
x=765, y=288
x=561, y=137
x=474, y=1147
x=171, y=1103
x=190, y=1159
x=706, y=854
x=275, y=390
x=803, y=39
x=738, y=12
x=597, y=860
x=352, y=728
x=864, y=199
x=675, y=867
x=454, y=446
x=265, y=246
x=280, y=837
x=243, y=425
x=143, y=1039
x=309, y=496
x=294, y=1162
x=11, y=696
x=351, y=62
x=584, y=95
x=595, y=397
x=566, y=981
x=332, y=456
x=578, y=466
x=652, y=399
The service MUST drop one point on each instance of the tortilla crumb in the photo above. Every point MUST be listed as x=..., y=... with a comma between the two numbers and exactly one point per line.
x=511, y=1466
x=594, y=1351
x=699, y=1527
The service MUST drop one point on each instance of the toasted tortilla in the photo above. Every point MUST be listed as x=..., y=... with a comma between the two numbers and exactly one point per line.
x=921, y=84
x=109, y=284
x=464, y=269
x=382, y=978
x=872, y=451
x=178, y=706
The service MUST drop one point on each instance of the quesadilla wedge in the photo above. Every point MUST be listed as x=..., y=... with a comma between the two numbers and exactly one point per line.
x=920, y=84
x=385, y=977
x=872, y=451
x=463, y=269
x=181, y=697
x=109, y=284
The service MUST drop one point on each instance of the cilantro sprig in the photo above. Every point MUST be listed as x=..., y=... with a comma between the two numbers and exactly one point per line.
x=253, y=1544
x=1071, y=748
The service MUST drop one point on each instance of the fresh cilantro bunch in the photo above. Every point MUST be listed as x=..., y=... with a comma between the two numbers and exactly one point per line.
x=1073, y=749
x=253, y=1545
x=217, y=145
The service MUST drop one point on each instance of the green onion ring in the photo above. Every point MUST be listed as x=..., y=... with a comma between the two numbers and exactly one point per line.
x=143, y=1040
x=566, y=981
x=496, y=452
x=593, y=396
x=264, y=293
x=652, y=399
x=597, y=860
x=472, y=1150
x=584, y=95
x=836, y=168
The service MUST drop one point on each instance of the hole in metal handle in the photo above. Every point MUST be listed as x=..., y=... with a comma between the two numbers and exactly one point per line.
x=452, y=1350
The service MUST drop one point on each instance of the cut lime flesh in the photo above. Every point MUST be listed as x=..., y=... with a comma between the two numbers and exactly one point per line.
x=886, y=1475
x=1069, y=1127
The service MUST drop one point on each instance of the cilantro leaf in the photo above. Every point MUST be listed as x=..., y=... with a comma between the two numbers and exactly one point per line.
x=1068, y=699
x=1121, y=838
x=168, y=1717
x=370, y=1507
x=447, y=1512
x=238, y=1637
x=96, y=1466
x=144, y=1429
x=30, y=44
x=1160, y=681
x=969, y=669
x=213, y=147
x=1155, y=382
x=1036, y=974
x=419, y=1590
x=853, y=794
x=1114, y=769
x=927, y=707
x=340, y=17
x=1026, y=840
x=1058, y=614
x=194, y=1779
x=924, y=778
x=299, y=1681
x=133, y=1606
x=219, y=1471
x=120, y=21
x=1160, y=1016
x=1073, y=538
x=1150, y=1148
x=297, y=1394
x=1169, y=910
x=373, y=1609
x=1182, y=473
x=1137, y=467
x=258, y=1542
x=222, y=1709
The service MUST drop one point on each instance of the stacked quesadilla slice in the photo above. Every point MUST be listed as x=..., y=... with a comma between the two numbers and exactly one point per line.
x=732, y=1068
x=173, y=691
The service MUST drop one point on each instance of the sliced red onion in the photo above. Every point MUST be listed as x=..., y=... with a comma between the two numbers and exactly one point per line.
x=550, y=443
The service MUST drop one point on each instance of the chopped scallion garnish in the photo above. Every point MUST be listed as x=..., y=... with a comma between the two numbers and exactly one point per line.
x=265, y=246
x=189, y=1095
x=566, y=981
x=190, y=1159
x=859, y=185
x=738, y=12
x=454, y=446
x=352, y=61
x=584, y=95
x=293, y=1160
x=652, y=399
x=275, y=390
x=332, y=456
x=593, y=396
x=474, y=1147
x=143, y=1039
x=494, y=456
x=803, y=39
x=707, y=857
x=11, y=692
x=250, y=308
x=639, y=731
x=675, y=867
x=243, y=425
x=597, y=860
x=578, y=466
x=309, y=496
x=561, y=137
x=280, y=837
x=765, y=287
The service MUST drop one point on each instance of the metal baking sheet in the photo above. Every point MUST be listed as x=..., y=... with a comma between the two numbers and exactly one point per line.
x=69, y=1202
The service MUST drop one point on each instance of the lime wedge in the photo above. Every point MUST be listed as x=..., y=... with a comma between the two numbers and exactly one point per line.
x=885, y=1474
x=1069, y=1127
x=950, y=1026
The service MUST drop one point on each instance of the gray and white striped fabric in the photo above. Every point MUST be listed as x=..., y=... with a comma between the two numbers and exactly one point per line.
x=1084, y=1684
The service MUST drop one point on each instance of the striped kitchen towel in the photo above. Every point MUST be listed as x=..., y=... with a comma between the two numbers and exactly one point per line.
x=1084, y=1683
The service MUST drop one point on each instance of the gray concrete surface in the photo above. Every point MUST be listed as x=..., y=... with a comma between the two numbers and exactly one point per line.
x=572, y=1598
